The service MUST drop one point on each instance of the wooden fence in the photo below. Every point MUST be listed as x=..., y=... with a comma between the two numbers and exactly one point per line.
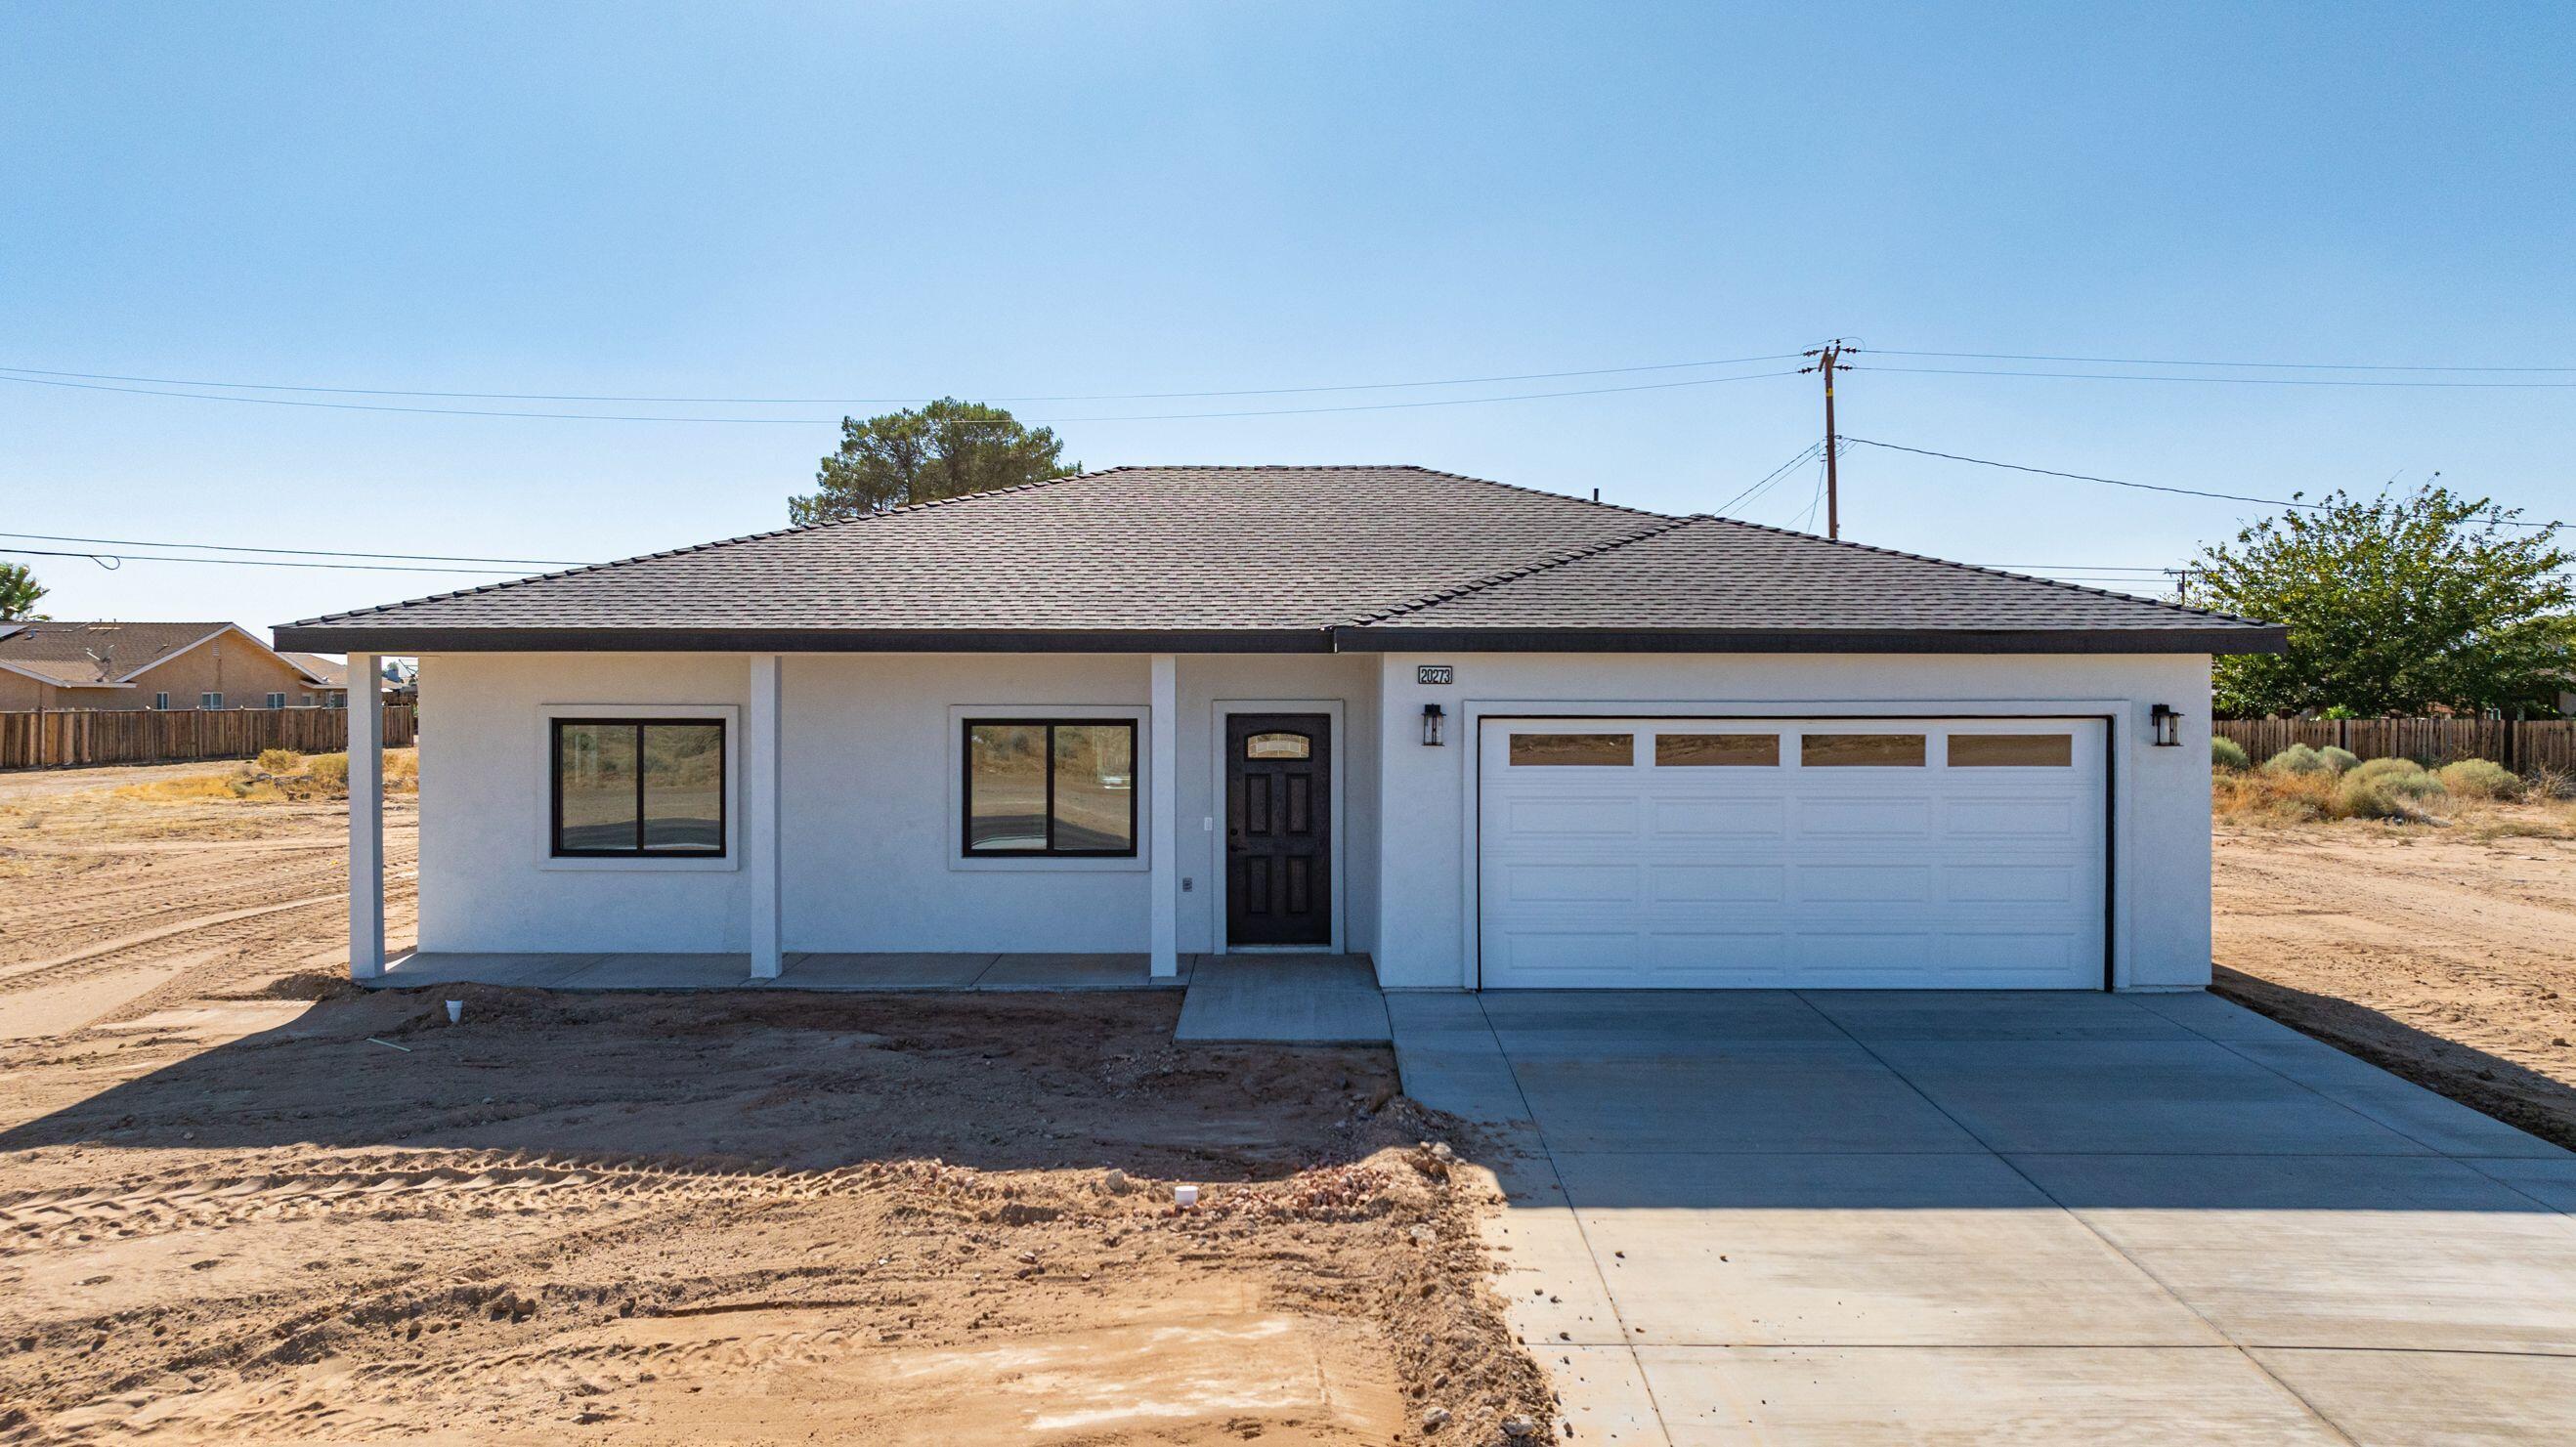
x=2525, y=745
x=68, y=738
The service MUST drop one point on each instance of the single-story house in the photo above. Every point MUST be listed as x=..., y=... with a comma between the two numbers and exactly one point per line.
x=115, y=665
x=332, y=676
x=1489, y=737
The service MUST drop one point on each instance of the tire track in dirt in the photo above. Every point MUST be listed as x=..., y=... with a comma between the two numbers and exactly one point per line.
x=408, y=1183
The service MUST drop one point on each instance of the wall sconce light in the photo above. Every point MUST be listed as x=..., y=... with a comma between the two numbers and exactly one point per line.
x=1431, y=721
x=2167, y=725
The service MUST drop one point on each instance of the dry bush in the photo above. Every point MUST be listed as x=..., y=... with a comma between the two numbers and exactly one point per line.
x=2297, y=759
x=2338, y=759
x=2407, y=792
x=2268, y=798
x=280, y=761
x=192, y=788
x=2481, y=779
x=2228, y=754
x=2384, y=768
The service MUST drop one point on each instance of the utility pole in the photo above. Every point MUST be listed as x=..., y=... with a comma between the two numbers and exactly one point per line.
x=1829, y=361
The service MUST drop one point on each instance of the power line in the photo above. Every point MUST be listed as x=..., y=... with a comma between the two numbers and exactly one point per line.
x=2117, y=482
x=113, y=561
x=2178, y=362
x=2210, y=381
x=828, y=421
x=1768, y=478
x=901, y=401
x=296, y=552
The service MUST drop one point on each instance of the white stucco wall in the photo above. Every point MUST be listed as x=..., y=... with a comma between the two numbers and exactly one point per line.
x=2161, y=866
x=869, y=828
x=868, y=818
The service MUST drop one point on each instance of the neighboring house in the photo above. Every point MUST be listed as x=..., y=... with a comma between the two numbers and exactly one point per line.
x=331, y=678
x=1489, y=736
x=146, y=665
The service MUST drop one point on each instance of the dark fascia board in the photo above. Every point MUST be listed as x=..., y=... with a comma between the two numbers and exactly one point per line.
x=2239, y=638
x=346, y=638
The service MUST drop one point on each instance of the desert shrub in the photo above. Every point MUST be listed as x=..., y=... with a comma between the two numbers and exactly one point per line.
x=2228, y=754
x=2296, y=759
x=280, y=761
x=2481, y=779
x=2383, y=768
x=2338, y=759
x=2408, y=793
x=2254, y=797
x=331, y=772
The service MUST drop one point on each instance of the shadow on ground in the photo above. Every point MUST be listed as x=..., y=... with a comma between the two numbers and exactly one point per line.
x=2516, y=1094
x=742, y=1079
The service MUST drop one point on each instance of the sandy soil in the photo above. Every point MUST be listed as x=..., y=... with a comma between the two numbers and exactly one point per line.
x=241, y=1201
x=2444, y=953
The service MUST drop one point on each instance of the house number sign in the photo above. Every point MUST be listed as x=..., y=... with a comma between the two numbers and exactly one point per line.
x=1435, y=673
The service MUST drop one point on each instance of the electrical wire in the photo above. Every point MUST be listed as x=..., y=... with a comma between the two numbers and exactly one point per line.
x=296, y=552
x=2178, y=362
x=904, y=401
x=111, y=561
x=814, y=421
x=2210, y=381
x=1768, y=478
x=2144, y=486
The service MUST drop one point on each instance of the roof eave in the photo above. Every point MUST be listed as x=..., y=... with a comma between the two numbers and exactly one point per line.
x=392, y=638
x=2233, y=638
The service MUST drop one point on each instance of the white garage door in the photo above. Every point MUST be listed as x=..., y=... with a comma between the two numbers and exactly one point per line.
x=1880, y=853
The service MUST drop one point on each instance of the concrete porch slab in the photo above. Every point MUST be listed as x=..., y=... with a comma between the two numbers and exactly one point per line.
x=1077, y=972
x=417, y=969
x=1283, y=1000
x=861, y=972
x=662, y=972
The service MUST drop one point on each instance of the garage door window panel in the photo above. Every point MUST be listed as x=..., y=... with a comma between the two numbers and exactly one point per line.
x=1717, y=751
x=1861, y=751
x=2011, y=751
x=1546, y=751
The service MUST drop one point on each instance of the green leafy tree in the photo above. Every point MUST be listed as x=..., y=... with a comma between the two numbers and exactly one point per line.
x=945, y=449
x=19, y=592
x=2395, y=605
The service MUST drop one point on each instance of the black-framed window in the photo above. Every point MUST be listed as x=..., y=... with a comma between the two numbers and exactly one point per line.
x=1040, y=787
x=639, y=788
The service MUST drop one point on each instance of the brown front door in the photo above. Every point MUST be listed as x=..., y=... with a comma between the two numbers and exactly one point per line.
x=1278, y=829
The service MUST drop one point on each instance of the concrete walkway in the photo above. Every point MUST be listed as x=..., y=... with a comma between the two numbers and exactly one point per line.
x=1859, y=1218
x=859, y=973
x=1283, y=1000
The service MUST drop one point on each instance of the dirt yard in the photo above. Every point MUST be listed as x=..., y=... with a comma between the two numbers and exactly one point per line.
x=240, y=1201
x=2446, y=953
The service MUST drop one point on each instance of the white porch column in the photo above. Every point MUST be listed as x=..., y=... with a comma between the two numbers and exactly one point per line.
x=1163, y=836
x=760, y=831
x=366, y=818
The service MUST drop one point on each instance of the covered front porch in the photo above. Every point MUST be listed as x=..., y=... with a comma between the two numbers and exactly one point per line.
x=856, y=821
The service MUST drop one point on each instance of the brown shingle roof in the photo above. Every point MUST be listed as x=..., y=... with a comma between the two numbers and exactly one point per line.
x=1234, y=559
x=90, y=655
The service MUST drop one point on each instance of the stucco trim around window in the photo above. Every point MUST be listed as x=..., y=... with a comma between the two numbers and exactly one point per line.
x=954, y=825
x=540, y=774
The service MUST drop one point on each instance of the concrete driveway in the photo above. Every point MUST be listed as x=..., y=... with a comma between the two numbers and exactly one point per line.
x=1944, y=1217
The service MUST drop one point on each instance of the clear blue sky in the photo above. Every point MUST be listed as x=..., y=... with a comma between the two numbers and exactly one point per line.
x=895, y=201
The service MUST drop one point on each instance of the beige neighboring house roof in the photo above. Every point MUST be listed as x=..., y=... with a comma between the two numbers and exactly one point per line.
x=108, y=655
x=327, y=671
